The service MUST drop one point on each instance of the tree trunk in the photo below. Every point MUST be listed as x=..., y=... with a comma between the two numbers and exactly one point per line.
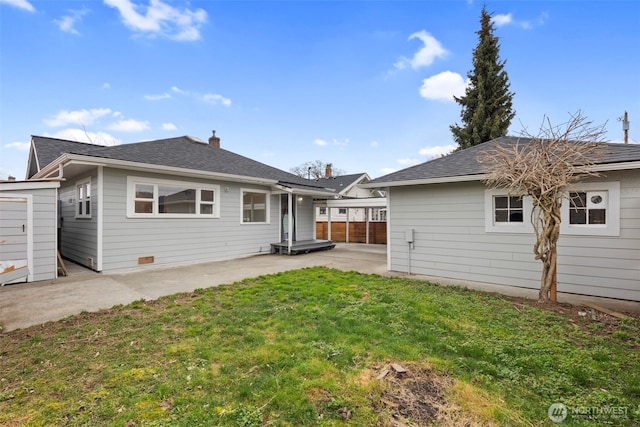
x=546, y=250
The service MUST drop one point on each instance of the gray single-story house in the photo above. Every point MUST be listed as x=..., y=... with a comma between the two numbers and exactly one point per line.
x=443, y=221
x=28, y=236
x=172, y=201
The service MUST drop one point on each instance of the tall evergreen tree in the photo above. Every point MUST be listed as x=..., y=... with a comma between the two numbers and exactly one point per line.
x=486, y=105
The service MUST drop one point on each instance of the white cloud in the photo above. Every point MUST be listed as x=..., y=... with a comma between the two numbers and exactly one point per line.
x=437, y=151
x=320, y=142
x=176, y=89
x=502, y=19
x=341, y=143
x=443, y=86
x=106, y=85
x=431, y=50
x=68, y=22
x=409, y=162
x=81, y=117
x=157, y=97
x=21, y=4
x=387, y=171
x=215, y=99
x=374, y=144
x=21, y=146
x=129, y=125
x=80, y=135
x=158, y=18
x=169, y=126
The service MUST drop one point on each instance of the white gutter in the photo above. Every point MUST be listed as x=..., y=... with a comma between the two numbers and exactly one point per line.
x=441, y=180
x=479, y=177
x=301, y=191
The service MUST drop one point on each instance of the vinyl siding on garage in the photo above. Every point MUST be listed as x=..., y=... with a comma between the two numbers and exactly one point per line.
x=451, y=241
x=450, y=238
x=180, y=240
x=44, y=226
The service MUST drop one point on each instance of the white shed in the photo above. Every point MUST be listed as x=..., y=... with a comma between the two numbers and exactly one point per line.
x=28, y=230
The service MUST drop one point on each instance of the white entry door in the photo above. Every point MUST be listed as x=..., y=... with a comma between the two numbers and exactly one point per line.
x=14, y=239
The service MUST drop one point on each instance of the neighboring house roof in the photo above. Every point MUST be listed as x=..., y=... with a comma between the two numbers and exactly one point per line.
x=183, y=152
x=464, y=165
x=343, y=183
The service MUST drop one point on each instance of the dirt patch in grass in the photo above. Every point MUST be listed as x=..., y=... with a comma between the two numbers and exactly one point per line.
x=416, y=395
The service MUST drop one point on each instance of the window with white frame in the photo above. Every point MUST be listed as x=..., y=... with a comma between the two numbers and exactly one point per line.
x=508, y=209
x=506, y=213
x=378, y=214
x=322, y=211
x=148, y=197
x=342, y=211
x=83, y=198
x=592, y=209
x=255, y=206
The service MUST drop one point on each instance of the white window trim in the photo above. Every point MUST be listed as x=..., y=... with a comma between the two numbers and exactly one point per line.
x=267, y=205
x=83, y=183
x=611, y=228
x=490, y=226
x=131, y=192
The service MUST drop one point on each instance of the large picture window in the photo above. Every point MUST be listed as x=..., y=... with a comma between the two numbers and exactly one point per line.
x=83, y=196
x=163, y=198
x=255, y=206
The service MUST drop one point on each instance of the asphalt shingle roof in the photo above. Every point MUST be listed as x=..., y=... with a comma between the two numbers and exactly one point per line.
x=180, y=152
x=340, y=182
x=465, y=162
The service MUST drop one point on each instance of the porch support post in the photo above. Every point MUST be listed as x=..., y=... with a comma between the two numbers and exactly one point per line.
x=366, y=225
x=347, y=227
x=329, y=222
x=290, y=223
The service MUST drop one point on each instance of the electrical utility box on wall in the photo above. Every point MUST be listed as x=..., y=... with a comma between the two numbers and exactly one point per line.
x=408, y=235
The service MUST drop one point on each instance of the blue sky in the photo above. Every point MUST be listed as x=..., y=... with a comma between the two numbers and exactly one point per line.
x=365, y=85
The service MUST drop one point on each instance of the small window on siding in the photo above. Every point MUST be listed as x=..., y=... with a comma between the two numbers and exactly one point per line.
x=323, y=211
x=254, y=207
x=592, y=209
x=508, y=209
x=342, y=211
x=83, y=199
x=588, y=208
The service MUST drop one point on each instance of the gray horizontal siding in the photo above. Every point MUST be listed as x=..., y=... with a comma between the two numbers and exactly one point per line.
x=79, y=236
x=180, y=240
x=450, y=241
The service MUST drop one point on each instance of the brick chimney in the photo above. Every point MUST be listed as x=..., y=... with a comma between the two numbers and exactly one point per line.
x=327, y=171
x=214, y=140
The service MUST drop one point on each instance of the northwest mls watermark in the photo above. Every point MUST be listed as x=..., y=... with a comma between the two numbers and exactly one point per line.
x=559, y=412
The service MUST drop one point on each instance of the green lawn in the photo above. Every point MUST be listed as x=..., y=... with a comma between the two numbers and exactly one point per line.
x=306, y=347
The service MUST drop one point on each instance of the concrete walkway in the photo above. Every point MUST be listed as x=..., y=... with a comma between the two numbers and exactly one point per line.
x=26, y=304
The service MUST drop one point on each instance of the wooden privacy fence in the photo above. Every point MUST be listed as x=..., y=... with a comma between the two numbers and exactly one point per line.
x=357, y=232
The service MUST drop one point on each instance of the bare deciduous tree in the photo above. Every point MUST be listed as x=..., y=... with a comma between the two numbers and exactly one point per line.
x=545, y=167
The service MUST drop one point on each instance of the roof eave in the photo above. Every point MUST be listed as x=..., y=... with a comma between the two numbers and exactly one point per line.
x=69, y=159
x=425, y=181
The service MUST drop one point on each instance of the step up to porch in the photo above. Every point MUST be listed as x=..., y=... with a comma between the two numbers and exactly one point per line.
x=302, y=247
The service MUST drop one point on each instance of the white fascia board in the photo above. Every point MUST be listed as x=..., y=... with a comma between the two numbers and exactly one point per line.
x=76, y=159
x=443, y=180
x=373, y=202
x=303, y=192
x=28, y=185
x=616, y=166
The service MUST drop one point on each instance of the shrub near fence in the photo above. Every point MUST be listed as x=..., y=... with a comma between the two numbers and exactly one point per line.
x=357, y=231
